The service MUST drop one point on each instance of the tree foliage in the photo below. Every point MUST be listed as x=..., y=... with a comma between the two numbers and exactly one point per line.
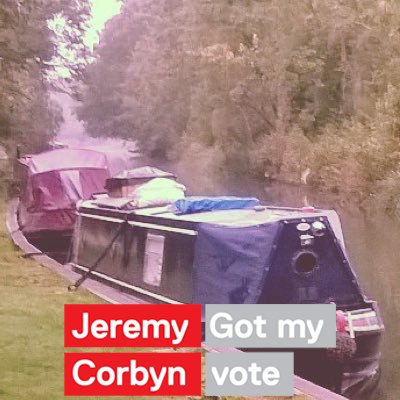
x=28, y=49
x=268, y=87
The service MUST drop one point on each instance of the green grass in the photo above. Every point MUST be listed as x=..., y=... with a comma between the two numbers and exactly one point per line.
x=31, y=327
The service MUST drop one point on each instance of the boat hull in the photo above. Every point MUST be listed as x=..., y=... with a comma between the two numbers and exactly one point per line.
x=175, y=279
x=55, y=244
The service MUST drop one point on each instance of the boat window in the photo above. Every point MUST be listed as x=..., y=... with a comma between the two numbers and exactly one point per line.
x=153, y=259
x=305, y=262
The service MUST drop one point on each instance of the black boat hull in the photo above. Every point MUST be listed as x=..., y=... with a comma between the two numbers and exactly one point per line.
x=55, y=244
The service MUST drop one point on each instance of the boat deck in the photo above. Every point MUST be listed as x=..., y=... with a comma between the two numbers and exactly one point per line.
x=241, y=217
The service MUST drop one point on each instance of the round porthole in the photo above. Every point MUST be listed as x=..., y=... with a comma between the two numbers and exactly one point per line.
x=305, y=262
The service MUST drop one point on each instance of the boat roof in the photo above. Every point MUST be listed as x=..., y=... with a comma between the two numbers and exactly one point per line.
x=240, y=217
x=64, y=159
x=145, y=172
x=229, y=218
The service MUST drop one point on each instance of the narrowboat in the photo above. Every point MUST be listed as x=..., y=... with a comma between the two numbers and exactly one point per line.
x=52, y=183
x=250, y=253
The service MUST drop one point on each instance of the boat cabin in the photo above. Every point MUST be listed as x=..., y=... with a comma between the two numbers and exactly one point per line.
x=256, y=255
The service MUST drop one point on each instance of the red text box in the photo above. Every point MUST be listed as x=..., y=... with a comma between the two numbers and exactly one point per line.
x=132, y=325
x=132, y=374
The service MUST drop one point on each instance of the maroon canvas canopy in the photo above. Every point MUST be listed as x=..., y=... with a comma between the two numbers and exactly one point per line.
x=54, y=182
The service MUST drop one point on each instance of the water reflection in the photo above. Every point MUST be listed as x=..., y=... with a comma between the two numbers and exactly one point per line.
x=373, y=245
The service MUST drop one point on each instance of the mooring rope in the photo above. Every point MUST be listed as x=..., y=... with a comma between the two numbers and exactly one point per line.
x=83, y=278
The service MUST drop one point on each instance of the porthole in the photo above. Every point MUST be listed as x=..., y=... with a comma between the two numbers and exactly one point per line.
x=305, y=262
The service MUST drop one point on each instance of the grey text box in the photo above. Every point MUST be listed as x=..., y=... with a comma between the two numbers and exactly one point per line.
x=271, y=325
x=249, y=374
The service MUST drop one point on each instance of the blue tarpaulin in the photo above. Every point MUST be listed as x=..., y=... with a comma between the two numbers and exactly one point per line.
x=248, y=264
x=193, y=204
x=230, y=263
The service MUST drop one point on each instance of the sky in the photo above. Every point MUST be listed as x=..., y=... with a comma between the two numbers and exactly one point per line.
x=102, y=11
x=72, y=129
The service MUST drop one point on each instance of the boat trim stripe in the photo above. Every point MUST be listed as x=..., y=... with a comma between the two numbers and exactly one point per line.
x=366, y=328
x=128, y=286
x=163, y=228
x=147, y=225
x=370, y=314
x=102, y=218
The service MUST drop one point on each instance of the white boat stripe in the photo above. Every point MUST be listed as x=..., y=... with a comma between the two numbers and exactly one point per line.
x=128, y=286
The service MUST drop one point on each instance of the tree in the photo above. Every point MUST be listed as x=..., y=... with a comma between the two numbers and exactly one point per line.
x=27, y=52
x=258, y=86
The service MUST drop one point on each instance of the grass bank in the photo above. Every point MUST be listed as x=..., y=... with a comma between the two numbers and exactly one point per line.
x=31, y=326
